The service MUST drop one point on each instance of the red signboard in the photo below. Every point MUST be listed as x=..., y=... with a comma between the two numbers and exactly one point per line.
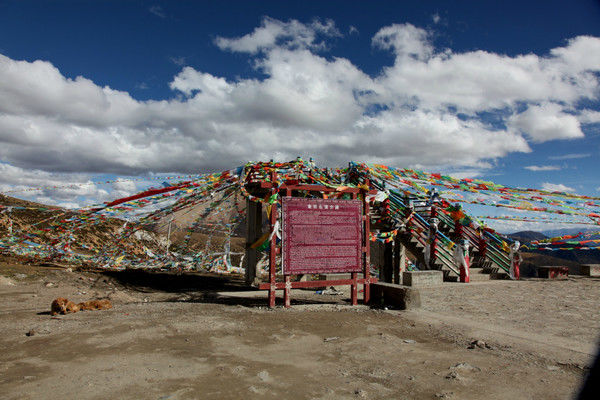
x=321, y=236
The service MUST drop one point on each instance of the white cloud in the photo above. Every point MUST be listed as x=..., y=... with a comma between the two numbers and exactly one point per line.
x=422, y=110
x=123, y=188
x=180, y=61
x=190, y=80
x=589, y=117
x=50, y=188
x=582, y=54
x=406, y=41
x=557, y=187
x=158, y=11
x=546, y=122
x=478, y=80
x=542, y=168
x=507, y=226
x=571, y=156
x=436, y=18
x=292, y=34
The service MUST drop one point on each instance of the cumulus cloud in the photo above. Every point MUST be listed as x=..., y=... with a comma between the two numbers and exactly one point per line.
x=537, y=168
x=404, y=40
x=50, y=188
x=292, y=34
x=589, y=117
x=424, y=109
x=546, y=122
x=557, y=187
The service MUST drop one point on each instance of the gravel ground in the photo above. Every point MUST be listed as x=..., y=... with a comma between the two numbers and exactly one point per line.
x=194, y=337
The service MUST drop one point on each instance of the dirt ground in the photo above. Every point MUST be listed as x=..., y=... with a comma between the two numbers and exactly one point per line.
x=192, y=337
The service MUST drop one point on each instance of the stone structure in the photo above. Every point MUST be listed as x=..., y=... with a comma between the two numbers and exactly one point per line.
x=422, y=278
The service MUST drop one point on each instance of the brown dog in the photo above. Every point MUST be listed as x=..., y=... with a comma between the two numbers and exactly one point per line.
x=64, y=306
x=95, y=305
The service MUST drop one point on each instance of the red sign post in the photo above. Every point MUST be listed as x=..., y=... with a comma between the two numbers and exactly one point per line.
x=319, y=239
x=321, y=236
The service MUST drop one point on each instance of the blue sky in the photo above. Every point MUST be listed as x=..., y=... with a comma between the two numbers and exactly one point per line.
x=503, y=91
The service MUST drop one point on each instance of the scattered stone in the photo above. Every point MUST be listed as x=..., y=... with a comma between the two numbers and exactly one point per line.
x=410, y=341
x=31, y=332
x=238, y=369
x=6, y=281
x=331, y=339
x=264, y=376
x=49, y=284
x=360, y=393
x=411, y=378
x=552, y=368
x=256, y=390
x=466, y=367
x=479, y=343
x=444, y=395
x=28, y=377
x=331, y=291
x=454, y=376
x=20, y=276
x=69, y=269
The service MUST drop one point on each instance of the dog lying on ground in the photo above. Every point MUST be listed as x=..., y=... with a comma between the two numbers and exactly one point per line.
x=95, y=305
x=64, y=306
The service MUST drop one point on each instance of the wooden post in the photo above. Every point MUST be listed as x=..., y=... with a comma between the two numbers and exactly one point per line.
x=286, y=277
x=354, y=277
x=367, y=263
x=253, y=233
x=273, y=250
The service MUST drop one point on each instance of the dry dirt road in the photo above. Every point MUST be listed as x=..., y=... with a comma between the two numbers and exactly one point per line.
x=201, y=338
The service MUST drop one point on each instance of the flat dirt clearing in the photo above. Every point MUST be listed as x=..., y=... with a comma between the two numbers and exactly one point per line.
x=191, y=337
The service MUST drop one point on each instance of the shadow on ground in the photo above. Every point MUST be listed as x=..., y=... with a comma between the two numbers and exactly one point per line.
x=204, y=288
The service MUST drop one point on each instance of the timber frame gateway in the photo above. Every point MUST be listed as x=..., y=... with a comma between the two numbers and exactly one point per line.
x=324, y=230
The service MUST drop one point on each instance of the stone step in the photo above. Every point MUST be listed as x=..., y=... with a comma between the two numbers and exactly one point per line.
x=475, y=277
